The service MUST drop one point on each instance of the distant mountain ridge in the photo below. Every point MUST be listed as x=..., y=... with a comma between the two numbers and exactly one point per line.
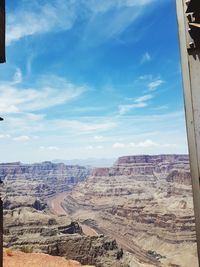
x=91, y=162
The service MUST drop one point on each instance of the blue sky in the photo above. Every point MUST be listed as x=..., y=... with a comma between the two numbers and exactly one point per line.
x=90, y=78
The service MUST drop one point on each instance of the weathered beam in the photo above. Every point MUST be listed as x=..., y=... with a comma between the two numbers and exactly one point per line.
x=2, y=60
x=188, y=12
x=1, y=233
x=2, y=31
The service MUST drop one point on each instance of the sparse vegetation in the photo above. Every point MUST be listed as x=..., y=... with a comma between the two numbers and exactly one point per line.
x=155, y=255
x=26, y=249
x=9, y=252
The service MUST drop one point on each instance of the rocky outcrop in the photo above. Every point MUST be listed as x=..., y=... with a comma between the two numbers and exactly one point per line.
x=145, y=202
x=16, y=258
x=40, y=180
x=156, y=159
x=99, y=251
x=31, y=230
x=30, y=225
x=144, y=165
x=180, y=177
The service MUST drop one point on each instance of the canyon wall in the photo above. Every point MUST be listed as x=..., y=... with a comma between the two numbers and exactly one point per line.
x=29, y=225
x=146, y=203
x=40, y=179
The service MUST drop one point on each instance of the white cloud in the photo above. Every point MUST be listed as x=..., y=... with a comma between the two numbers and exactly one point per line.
x=143, y=98
x=155, y=84
x=118, y=145
x=84, y=127
x=38, y=17
x=163, y=107
x=17, y=76
x=49, y=148
x=22, y=138
x=98, y=137
x=139, y=102
x=53, y=148
x=34, y=17
x=124, y=13
x=146, y=143
x=146, y=58
x=54, y=91
x=89, y=147
x=123, y=109
x=143, y=144
x=4, y=136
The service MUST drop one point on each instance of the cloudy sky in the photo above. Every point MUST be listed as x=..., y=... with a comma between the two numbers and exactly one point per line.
x=90, y=78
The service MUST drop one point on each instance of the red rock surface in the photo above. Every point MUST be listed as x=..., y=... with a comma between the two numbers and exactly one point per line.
x=20, y=259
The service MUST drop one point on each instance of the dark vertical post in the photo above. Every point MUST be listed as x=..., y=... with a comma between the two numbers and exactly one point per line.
x=2, y=60
x=1, y=233
x=1, y=225
x=2, y=31
x=188, y=13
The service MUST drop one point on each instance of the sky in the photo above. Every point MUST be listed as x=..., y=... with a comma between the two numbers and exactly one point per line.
x=91, y=78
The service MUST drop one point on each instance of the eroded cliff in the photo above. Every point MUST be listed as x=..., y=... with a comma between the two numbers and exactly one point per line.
x=145, y=202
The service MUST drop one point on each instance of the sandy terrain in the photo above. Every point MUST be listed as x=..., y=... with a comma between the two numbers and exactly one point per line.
x=56, y=207
x=55, y=204
x=20, y=259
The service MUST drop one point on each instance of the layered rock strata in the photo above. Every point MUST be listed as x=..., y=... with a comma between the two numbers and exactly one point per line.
x=30, y=226
x=36, y=231
x=40, y=180
x=146, y=203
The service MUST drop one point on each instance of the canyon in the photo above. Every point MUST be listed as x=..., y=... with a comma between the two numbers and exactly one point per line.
x=136, y=213
x=29, y=225
x=146, y=204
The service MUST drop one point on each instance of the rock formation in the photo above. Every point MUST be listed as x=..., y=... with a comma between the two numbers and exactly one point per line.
x=17, y=258
x=145, y=202
x=29, y=224
x=41, y=179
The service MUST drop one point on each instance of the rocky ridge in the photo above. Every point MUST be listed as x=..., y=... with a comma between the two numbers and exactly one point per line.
x=40, y=179
x=30, y=225
x=17, y=258
x=145, y=202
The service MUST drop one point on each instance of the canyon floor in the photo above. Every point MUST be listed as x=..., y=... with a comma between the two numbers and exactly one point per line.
x=136, y=213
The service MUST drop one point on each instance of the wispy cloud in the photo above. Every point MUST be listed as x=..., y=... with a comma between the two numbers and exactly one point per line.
x=98, y=137
x=124, y=13
x=85, y=127
x=143, y=144
x=22, y=138
x=17, y=76
x=118, y=145
x=49, y=148
x=50, y=93
x=146, y=58
x=90, y=147
x=155, y=84
x=36, y=17
x=139, y=102
x=4, y=136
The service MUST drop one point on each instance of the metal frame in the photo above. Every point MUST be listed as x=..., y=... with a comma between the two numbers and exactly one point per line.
x=2, y=31
x=2, y=60
x=190, y=60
